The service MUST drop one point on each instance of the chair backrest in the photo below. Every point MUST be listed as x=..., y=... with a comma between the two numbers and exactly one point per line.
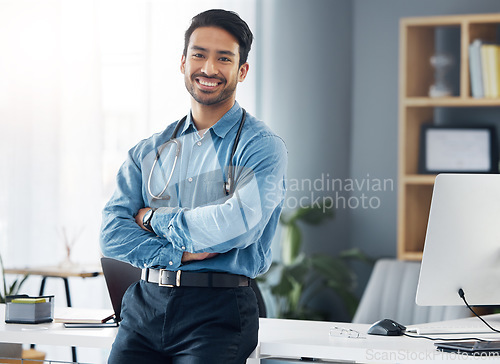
x=390, y=293
x=119, y=276
x=260, y=299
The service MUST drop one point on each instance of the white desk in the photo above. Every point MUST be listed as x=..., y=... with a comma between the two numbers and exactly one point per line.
x=55, y=334
x=296, y=339
x=278, y=338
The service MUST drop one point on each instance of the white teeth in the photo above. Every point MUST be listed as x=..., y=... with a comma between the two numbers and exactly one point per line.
x=211, y=84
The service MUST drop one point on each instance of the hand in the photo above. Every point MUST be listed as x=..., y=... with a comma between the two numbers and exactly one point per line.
x=188, y=257
x=140, y=216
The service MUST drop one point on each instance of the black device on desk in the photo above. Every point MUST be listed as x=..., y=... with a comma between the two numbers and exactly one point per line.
x=470, y=347
x=387, y=327
x=85, y=325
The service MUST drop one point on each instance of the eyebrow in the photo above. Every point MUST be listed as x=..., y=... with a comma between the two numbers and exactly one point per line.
x=198, y=48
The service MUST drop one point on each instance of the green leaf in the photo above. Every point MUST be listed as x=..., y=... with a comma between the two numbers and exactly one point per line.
x=16, y=286
x=2, y=270
x=291, y=244
x=297, y=271
x=283, y=287
x=356, y=254
x=295, y=294
x=13, y=288
x=314, y=215
x=331, y=268
x=350, y=301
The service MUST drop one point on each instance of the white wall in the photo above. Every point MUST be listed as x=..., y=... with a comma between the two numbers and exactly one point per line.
x=305, y=95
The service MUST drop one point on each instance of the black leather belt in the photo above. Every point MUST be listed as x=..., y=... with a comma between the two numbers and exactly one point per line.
x=167, y=278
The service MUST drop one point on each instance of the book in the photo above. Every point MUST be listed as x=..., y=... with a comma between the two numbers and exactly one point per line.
x=79, y=315
x=490, y=64
x=495, y=72
x=485, y=66
x=475, y=69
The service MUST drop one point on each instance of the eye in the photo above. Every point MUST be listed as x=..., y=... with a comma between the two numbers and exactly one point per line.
x=197, y=55
x=224, y=59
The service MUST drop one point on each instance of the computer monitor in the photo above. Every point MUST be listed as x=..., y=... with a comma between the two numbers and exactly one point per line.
x=462, y=243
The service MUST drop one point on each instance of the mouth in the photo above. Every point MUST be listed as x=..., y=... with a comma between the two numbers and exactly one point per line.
x=207, y=84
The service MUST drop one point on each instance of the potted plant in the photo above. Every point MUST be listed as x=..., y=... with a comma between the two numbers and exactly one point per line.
x=10, y=350
x=297, y=276
x=13, y=288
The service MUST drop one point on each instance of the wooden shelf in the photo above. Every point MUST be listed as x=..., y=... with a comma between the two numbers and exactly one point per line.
x=411, y=256
x=449, y=102
x=416, y=108
x=419, y=179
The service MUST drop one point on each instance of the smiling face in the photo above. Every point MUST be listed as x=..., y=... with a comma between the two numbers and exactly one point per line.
x=211, y=67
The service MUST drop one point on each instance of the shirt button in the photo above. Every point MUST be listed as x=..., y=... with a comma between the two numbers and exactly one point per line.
x=183, y=248
x=170, y=263
x=199, y=143
x=145, y=265
x=190, y=179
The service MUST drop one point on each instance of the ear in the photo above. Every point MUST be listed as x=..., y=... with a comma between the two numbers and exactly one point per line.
x=242, y=73
x=183, y=64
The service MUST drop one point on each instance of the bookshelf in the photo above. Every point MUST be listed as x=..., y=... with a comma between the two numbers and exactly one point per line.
x=417, y=44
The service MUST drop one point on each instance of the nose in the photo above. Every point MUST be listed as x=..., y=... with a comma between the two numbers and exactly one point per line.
x=209, y=67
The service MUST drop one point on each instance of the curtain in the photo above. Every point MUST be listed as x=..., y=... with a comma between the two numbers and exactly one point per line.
x=50, y=128
x=80, y=83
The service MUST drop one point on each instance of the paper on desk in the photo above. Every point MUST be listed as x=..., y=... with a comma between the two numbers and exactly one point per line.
x=444, y=330
x=81, y=315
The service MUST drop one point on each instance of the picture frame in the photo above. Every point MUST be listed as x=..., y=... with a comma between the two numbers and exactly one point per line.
x=462, y=149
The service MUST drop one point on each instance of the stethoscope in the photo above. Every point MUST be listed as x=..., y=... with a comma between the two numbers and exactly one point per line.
x=227, y=184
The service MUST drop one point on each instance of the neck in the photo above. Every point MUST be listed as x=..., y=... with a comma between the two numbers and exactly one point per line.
x=205, y=116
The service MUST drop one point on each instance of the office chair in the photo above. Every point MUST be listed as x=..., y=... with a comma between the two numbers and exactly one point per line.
x=120, y=275
x=390, y=293
x=260, y=299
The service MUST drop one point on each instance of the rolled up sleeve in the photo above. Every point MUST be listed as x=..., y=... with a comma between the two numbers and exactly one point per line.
x=121, y=237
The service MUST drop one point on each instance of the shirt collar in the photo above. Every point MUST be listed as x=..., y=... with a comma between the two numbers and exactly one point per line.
x=221, y=127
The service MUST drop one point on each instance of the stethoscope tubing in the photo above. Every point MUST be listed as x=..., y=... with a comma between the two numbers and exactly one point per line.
x=177, y=152
x=227, y=185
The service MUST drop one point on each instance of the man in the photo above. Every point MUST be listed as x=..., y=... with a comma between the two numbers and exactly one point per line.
x=197, y=216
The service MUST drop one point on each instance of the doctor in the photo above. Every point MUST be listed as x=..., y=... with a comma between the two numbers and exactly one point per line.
x=198, y=215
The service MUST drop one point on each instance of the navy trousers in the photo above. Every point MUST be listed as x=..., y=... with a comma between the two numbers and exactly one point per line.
x=186, y=325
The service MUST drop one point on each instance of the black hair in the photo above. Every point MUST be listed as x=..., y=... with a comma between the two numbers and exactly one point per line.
x=227, y=20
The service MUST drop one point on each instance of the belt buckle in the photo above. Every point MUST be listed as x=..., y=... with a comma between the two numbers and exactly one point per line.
x=177, y=279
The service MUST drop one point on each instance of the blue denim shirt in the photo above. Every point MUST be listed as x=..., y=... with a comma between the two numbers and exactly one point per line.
x=198, y=216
